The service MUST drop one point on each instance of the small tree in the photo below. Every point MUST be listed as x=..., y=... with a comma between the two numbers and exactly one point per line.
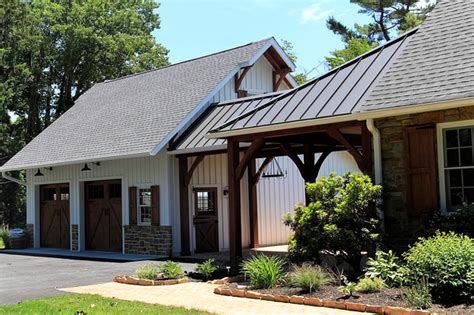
x=338, y=219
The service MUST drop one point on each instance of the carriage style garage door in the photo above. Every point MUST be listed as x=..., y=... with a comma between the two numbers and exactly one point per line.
x=54, y=216
x=103, y=206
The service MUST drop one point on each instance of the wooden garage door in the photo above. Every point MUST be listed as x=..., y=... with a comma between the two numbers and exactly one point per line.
x=54, y=216
x=103, y=205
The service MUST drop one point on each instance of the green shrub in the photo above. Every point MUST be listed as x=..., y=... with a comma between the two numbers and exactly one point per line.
x=446, y=260
x=264, y=272
x=309, y=278
x=418, y=296
x=5, y=236
x=385, y=266
x=337, y=219
x=207, y=268
x=459, y=222
x=348, y=289
x=147, y=272
x=370, y=285
x=171, y=270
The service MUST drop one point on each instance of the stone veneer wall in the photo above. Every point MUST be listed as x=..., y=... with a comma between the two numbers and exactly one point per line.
x=30, y=235
x=401, y=228
x=75, y=237
x=148, y=240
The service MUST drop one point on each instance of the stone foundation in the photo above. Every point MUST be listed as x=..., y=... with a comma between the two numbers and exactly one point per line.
x=148, y=240
x=30, y=235
x=74, y=237
x=402, y=228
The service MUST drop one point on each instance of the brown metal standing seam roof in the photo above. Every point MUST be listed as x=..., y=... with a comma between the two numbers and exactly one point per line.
x=338, y=92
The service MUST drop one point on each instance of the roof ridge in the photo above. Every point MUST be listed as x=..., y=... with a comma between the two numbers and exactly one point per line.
x=188, y=60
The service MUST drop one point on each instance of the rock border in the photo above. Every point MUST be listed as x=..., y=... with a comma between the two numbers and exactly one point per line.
x=312, y=301
x=144, y=282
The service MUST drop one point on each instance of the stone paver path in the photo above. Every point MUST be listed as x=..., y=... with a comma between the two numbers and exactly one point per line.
x=199, y=296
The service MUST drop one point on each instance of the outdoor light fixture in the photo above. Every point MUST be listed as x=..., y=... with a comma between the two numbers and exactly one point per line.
x=274, y=170
x=38, y=173
x=85, y=168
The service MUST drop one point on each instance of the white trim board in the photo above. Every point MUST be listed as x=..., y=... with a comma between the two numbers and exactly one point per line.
x=440, y=150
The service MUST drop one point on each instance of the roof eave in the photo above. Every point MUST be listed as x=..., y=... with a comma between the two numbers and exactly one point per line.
x=375, y=114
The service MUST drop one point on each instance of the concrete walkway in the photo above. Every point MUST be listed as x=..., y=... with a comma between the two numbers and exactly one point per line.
x=199, y=296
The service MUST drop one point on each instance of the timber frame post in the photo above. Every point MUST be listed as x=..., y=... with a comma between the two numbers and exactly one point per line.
x=235, y=228
x=185, y=176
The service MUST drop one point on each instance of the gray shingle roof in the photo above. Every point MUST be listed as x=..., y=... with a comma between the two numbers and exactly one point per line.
x=437, y=65
x=131, y=115
x=338, y=92
x=217, y=115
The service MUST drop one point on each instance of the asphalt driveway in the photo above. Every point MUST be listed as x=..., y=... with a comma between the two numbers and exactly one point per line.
x=28, y=277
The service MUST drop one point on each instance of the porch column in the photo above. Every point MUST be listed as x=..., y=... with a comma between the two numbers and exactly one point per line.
x=235, y=229
x=253, y=207
x=184, y=205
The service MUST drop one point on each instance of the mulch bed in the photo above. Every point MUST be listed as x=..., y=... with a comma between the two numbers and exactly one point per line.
x=387, y=297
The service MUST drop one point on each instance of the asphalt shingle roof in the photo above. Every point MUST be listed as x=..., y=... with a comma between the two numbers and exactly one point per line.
x=131, y=115
x=436, y=66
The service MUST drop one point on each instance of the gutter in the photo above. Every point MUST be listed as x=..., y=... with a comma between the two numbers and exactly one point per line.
x=377, y=147
x=13, y=179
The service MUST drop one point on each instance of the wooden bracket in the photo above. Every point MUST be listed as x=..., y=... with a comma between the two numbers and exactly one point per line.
x=239, y=78
x=249, y=154
x=258, y=174
x=294, y=157
x=337, y=135
x=281, y=73
x=189, y=173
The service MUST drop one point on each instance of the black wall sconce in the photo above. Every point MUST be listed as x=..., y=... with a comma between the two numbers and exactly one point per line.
x=38, y=173
x=86, y=167
x=226, y=191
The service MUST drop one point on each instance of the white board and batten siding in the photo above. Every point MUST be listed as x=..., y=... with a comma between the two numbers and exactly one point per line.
x=278, y=196
x=140, y=172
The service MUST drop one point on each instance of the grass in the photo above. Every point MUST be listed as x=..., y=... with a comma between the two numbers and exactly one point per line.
x=2, y=244
x=90, y=304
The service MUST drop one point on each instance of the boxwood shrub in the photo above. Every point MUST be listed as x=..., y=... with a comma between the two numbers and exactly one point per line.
x=447, y=261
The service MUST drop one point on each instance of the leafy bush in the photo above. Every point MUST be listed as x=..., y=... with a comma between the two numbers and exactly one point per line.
x=337, y=219
x=171, y=270
x=418, y=296
x=348, y=289
x=447, y=260
x=264, y=272
x=385, y=266
x=207, y=268
x=147, y=272
x=309, y=278
x=370, y=285
x=459, y=222
x=5, y=235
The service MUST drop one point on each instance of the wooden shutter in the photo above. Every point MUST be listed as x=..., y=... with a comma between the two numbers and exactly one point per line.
x=155, y=205
x=132, y=205
x=422, y=188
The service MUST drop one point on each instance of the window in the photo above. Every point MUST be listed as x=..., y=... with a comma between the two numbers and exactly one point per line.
x=459, y=166
x=144, y=206
x=49, y=194
x=64, y=191
x=205, y=201
x=115, y=191
x=95, y=191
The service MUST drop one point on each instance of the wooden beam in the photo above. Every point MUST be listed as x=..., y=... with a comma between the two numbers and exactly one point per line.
x=308, y=163
x=193, y=167
x=248, y=155
x=339, y=137
x=253, y=206
x=235, y=228
x=319, y=163
x=239, y=78
x=281, y=76
x=184, y=205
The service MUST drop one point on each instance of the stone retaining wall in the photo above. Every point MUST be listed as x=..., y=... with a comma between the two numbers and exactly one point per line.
x=148, y=240
x=30, y=235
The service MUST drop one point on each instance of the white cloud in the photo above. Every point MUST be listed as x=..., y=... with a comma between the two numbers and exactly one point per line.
x=314, y=13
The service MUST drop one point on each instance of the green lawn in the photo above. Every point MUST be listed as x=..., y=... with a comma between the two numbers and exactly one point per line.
x=90, y=304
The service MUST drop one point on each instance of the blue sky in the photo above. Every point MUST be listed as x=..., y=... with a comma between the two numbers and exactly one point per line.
x=192, y=28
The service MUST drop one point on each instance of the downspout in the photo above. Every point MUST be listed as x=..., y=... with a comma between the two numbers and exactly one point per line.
x=377, y=148
x=13, y=179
